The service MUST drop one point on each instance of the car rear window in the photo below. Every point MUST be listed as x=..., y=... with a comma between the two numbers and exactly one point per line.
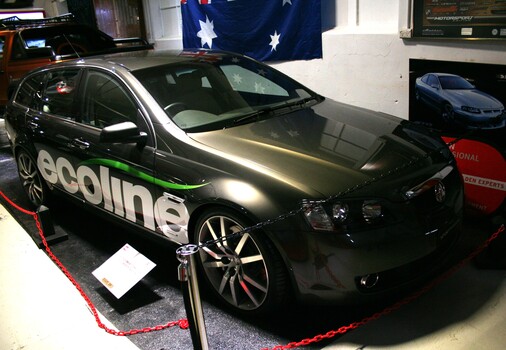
x=29, y=92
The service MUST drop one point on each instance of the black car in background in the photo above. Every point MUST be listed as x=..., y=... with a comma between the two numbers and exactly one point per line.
x=26, y=44
x=196, y=146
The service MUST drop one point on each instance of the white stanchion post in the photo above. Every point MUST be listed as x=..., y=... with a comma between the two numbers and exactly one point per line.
x=187, y=274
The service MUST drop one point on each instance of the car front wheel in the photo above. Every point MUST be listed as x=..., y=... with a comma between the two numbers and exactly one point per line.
x=31, y=180
x=244, y=270
x=448, y=112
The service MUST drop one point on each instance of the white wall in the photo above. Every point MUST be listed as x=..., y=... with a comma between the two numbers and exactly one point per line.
x=366, y=63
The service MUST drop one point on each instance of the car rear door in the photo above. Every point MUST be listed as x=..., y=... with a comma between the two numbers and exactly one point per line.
x=49, y=119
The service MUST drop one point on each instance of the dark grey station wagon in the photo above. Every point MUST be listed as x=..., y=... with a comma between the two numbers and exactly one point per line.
x=199, y=146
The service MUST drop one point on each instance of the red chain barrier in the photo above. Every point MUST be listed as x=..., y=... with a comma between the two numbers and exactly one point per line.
x=395, y=306
x=183, y=323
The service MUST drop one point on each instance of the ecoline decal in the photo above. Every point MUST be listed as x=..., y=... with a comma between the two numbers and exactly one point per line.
x=119, y=196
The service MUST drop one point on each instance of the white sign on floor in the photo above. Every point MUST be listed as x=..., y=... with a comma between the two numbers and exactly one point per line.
x=123, y=270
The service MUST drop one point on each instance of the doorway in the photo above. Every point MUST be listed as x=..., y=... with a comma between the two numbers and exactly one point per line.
x=120, y=18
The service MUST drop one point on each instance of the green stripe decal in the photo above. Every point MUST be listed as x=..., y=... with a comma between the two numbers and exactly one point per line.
x=139, y=174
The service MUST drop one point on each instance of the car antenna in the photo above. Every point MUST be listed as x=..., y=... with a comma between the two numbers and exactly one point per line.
x=72, y=46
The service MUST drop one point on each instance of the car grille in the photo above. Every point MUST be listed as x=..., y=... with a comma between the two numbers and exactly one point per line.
x=418, y=269
x=440, y=220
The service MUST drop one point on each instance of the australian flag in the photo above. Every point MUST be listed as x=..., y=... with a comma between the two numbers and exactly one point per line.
x=268, y=30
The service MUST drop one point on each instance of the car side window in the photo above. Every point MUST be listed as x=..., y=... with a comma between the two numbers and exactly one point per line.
x=433, y=81
x=61, y=93
x=18, y=51
x=105, y=101
x=30, y=91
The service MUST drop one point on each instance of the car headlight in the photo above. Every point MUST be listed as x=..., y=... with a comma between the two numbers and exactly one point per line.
x=340, y=211
x=317, y=217
x=371, y=210
x=471, y=109
x=351, y=214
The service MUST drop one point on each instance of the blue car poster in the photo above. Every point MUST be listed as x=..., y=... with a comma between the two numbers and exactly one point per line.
x=466, y=101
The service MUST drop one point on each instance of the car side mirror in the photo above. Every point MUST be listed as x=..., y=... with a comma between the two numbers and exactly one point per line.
x=126, y=132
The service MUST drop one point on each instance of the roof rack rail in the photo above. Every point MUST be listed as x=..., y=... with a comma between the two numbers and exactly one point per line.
x=16, y=22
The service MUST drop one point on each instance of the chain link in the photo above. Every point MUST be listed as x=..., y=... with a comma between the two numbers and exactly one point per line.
x=182, y=323
x=344, y=329
x=332, y=198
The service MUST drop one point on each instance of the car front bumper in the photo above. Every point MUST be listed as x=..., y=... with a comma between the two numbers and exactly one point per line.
x=363, y=265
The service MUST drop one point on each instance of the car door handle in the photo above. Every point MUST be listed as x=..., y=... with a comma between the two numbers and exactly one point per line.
x=80, y=143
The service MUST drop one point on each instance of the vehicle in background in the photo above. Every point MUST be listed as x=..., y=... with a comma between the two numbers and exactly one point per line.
x=458, y=101
x=26, y=44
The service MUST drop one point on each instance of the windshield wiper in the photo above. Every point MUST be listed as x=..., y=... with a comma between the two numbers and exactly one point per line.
x=278, y=108
x=252, y=116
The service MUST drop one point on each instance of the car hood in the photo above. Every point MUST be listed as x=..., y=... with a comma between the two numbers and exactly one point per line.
x=325, y=149
x=473, y=98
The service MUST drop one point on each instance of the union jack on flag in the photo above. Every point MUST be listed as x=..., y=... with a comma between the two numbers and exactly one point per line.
x=263, y=29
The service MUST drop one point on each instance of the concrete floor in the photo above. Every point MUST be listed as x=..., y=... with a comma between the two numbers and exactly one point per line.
x=42, y=310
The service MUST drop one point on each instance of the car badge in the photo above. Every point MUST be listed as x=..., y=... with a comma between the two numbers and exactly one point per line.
x=440, y=192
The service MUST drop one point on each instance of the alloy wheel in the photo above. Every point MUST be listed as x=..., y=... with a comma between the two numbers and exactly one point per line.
x=235, y=267
x=31, y=179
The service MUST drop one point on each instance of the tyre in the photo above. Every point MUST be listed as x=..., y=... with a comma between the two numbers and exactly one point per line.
x=244, y=271
x=31, y=179
x=448, y=113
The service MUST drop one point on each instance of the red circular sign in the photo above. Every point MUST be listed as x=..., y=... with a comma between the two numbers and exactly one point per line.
x=483, y=169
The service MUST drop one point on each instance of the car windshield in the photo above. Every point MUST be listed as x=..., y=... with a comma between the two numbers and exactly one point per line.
x=216, y=94
x=455, y=83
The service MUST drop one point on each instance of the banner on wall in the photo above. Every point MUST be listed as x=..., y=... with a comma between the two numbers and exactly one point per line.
x=466, y=99
x=477, y=19
x=266, y=30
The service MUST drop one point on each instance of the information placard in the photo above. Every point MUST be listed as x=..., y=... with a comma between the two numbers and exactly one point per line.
x=123, y=270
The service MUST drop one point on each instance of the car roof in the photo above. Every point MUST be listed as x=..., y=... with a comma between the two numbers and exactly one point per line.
x=137, y=60
x=444, y=74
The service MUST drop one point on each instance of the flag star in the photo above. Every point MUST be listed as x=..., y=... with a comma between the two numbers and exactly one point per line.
x=237, y=78
x=293, y=133
x=259, y=88
x=206, y=33
x=262, y=72
x=274, y=40
x=274, y=135
x=287, y=2
x=236, y=60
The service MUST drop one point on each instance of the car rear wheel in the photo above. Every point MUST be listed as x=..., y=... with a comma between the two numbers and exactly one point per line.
x=244, y=271
x=31, y=180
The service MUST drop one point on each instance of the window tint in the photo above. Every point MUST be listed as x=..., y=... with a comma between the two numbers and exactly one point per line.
x=30, y=91
x=106, y=102
x=18, y=51
x=433, y=81
x=61, y=93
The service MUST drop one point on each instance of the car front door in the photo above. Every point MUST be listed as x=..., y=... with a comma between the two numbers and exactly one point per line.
x=114, y=175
